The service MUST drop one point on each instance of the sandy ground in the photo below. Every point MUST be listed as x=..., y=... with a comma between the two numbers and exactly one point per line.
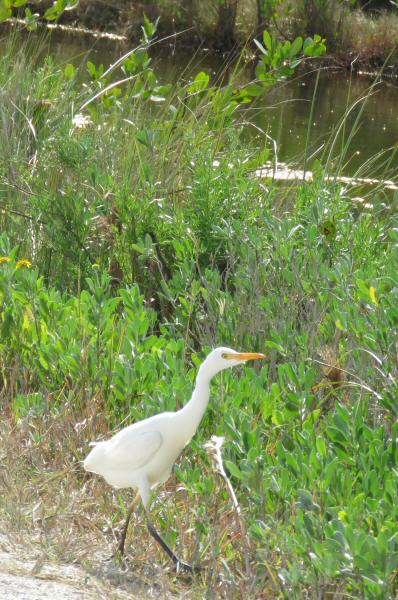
x=23, y=578
x=30, y=580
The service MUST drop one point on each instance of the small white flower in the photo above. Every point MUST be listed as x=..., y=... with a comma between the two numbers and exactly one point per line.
x=81, y=121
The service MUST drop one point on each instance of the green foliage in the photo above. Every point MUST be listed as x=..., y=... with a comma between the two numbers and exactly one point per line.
x=51, y=14
x=5, y=10
x=55, y=11
x=279, y=60
x=152, y=241
x=318, y=486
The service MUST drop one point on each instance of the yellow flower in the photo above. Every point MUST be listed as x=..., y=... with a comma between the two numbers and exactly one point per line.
x=24, y=262
x=4, y=259
x=372, y=294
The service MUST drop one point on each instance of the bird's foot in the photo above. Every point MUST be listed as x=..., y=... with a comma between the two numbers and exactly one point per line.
x=117, y=555
x=182, y=567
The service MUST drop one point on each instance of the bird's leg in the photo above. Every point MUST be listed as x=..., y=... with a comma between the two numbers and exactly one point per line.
x=120, y=548
x=178, y=563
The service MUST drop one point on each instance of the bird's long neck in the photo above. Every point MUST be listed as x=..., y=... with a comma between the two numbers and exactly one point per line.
x=192, y=413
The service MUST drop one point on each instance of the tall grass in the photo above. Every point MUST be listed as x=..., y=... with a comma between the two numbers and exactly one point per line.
x=151, y=241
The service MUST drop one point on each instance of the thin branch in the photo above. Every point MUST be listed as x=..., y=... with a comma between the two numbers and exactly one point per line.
x=5, y=208
x=360, y=383
x=214, y=449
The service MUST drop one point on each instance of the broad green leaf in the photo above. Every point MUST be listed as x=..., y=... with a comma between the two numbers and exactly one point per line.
x=321, y=446
x=267, y=40
x=201, y=82
x=253, y=89
x=339, y=325
x=296, y=47
x=92, y=69
x=305, y=500
x=69, y=71
x=314, y=47
x=52, y=13
x=234, y=470
x=149, y=28
x=5, y=10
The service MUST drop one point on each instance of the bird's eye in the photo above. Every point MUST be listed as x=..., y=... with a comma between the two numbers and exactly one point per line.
x=223, y=355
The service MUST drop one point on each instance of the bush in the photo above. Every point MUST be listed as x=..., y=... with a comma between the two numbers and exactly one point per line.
x=154, y=241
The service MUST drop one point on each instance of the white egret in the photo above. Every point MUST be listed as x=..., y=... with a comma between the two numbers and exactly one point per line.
x=142, y=455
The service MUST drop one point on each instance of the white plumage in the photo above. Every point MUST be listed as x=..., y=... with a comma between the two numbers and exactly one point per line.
x=142, y=455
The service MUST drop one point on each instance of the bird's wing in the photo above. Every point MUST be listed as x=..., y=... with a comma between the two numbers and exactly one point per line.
x=133, y=449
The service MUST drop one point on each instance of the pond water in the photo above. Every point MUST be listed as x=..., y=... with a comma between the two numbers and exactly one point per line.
x=284, y=112
x=375, y=117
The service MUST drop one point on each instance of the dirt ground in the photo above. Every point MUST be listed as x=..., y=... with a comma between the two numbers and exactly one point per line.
x=27, y=577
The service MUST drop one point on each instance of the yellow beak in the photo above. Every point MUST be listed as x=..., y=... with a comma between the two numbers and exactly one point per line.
x=244, y=356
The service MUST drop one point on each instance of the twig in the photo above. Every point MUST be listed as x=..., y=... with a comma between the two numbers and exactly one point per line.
x=5, y=208
x=214, y=449
x=353, y=383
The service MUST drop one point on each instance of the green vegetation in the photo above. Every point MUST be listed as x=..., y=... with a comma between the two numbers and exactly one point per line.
x=135, y=237
x=361, y=34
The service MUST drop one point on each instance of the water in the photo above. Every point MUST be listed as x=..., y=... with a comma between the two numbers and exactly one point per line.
x=288, y=109
x=283, y=114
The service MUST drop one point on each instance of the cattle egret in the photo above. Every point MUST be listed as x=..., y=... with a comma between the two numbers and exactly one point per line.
x=142, y=455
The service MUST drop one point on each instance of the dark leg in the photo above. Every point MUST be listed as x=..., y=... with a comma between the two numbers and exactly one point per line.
x=120, y=548
x=178, y=563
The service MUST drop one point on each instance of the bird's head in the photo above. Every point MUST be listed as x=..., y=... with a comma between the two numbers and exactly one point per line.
x=225, y=358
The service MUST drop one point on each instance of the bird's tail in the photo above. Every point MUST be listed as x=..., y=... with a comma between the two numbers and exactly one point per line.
x=94, y=460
